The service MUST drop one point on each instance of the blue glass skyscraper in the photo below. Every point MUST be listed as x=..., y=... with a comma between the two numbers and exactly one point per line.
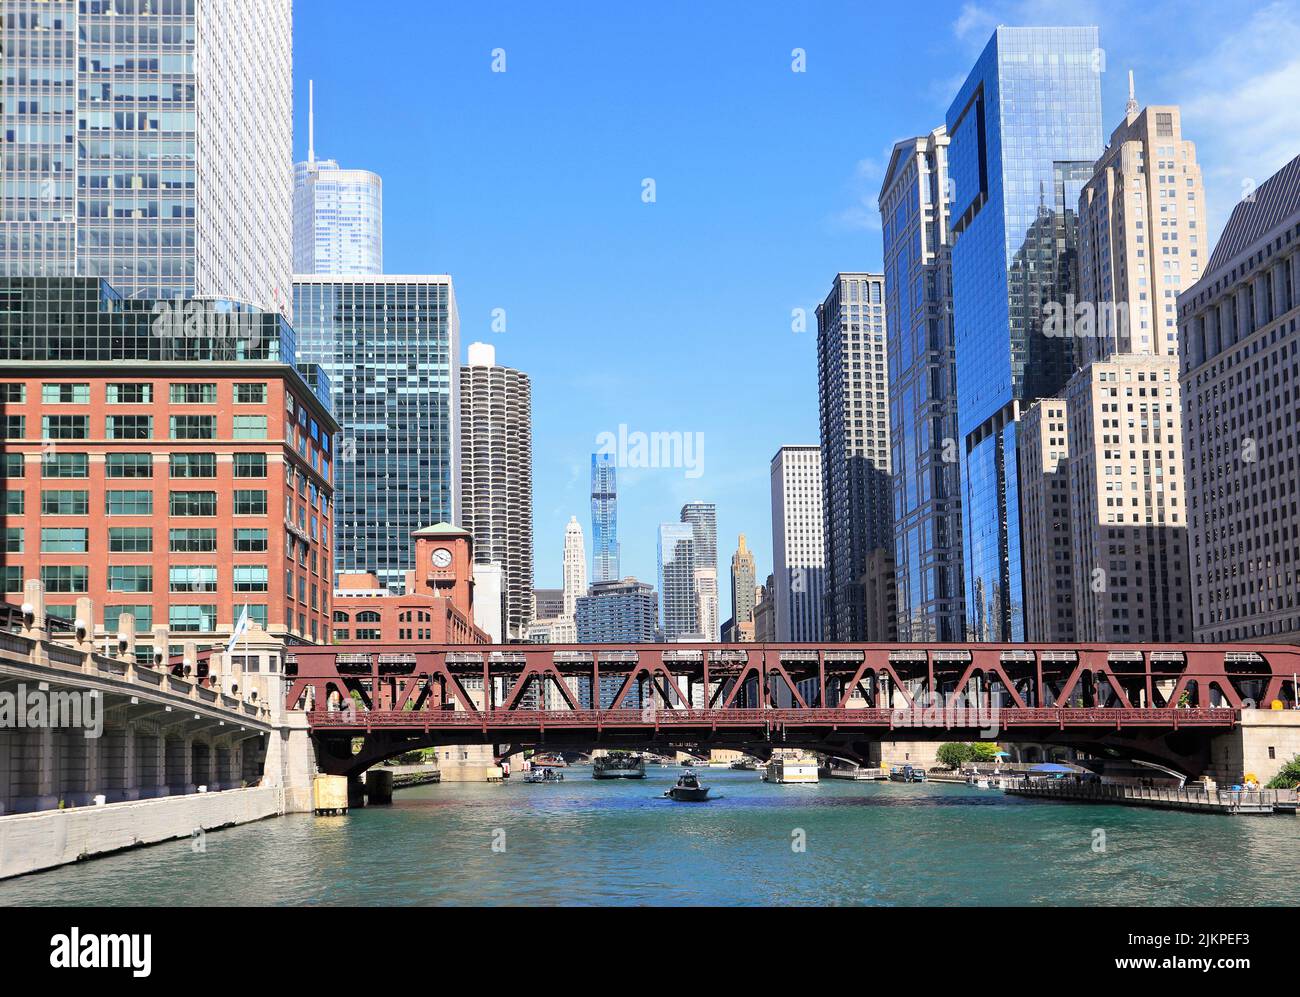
x=1025, y=130
x=604, y=518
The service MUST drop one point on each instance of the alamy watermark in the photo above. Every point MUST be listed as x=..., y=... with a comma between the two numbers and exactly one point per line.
x=36, y=709
x=674, y=449
x=207, y=320
x=954, y=712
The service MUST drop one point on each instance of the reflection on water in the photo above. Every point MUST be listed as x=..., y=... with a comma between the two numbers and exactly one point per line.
x=619, y=842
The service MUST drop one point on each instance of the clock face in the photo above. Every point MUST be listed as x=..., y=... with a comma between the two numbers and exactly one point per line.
x=442, y=558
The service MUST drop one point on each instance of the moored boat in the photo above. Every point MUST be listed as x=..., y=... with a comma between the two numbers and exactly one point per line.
x=907, y=773
x=618, y=765
x=544, y=775
x=688, y=789
x=788, y=771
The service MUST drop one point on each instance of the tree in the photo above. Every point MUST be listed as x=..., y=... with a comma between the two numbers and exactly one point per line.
x=1288, y=777
x=953, y=753
x=983, y=751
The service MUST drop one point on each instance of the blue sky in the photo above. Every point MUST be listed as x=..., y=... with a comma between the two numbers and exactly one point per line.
x=526, y=186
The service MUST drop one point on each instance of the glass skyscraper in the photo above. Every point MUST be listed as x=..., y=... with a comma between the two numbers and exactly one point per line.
x=123, y=161
x=338, y=219
x=604, y=518
x=1024, y=131
x=390, y=346
x=677, y=581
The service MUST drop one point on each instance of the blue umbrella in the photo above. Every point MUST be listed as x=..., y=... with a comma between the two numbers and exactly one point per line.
x=1051, y=767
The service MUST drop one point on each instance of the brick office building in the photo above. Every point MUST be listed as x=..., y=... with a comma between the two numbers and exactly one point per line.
x=174, y=476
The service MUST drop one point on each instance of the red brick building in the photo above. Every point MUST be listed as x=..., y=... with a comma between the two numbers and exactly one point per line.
x=179, y=492
x=437, y=608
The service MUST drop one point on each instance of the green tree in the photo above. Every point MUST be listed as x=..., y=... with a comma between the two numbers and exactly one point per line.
x=983, y=751
x=1289, y=777
x=953, y=754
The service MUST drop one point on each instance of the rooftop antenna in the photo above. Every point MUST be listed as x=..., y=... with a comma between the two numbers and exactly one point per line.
x=1131, y=109
x=311, y=119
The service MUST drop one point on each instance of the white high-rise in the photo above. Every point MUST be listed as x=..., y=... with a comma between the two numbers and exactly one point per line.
x=798, y=554
x=575, y=566
x=338, y=224
x=152, y=148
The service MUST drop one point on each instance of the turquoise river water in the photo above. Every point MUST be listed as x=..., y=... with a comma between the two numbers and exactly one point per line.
x=617, y=842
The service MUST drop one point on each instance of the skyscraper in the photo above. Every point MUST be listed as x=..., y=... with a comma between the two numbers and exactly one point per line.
x=497, y=475
x=624, y=611
x=703, y=518
x=922, y=392
x=389, y=345
x=798, y=549
x=1042, y=453
x=853, y=409
x=743, y=591
x=153, y=149
x=338, y=222
x=1238, y=343
x=1024, y=131
x=604, y=518
x=677, y=603
x=575, y=566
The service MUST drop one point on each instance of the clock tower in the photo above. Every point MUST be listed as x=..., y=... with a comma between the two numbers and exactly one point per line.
x=444, y=565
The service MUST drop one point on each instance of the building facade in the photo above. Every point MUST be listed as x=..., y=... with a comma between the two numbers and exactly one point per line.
x=180, y=480
x=853, y=415
x=798, y=549
x=150, y=146
x=575, y=565
x=338, y=214
x=927, y=548
x=744, y=592
x=703, y=518
x=1240, y=363
x=765, y=612
x=497, y=476
x=390, y=346
x=677, y=602
x=619, y=612
x=1024, y=132
x=1043, y=448
x=604, y=518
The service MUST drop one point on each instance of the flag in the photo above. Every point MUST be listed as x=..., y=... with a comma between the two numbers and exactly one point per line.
x=240, y=627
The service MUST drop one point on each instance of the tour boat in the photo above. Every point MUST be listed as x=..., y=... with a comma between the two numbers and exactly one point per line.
x=618, y=765
x=688, y=789
x=544, y=775
x=790, y=771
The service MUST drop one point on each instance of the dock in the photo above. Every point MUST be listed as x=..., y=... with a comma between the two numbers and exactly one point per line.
x=1219, y=801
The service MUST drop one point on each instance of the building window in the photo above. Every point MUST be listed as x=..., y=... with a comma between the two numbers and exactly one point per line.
x=130, y=394
x=130, y=539
x=64, y=577
x=128, y=465
x=130, y=578
x=118, y=503
x=192, y=578
x=13, y=539
x=13, y=466
x=250, y=540
x=15, y=427
x=193, y=394
x=15, y=502
x=250, y=394
x=250, y=577
x=256, y=614
x=193, y=503
x=367, y=616
x=193, y=427
x=64, y=540
x=143, y=614
x=249, y=502
x=368, y=634
x=192, y=619
x=250, y=427
x=13, y=393
x=65, y=394
x=13, y=578
x=250, y=465
x=65, y=465
x=65, y=503
x=129, y=427
x=201, y=540
x=193, y=465
x=65, y=427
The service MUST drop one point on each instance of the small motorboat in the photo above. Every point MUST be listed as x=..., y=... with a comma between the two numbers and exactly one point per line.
x=688, y=789
x=544, y=775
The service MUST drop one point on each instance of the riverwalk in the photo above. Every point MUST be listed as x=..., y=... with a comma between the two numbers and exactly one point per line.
x=1220, y=801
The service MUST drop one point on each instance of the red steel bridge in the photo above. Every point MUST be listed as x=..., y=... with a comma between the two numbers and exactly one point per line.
x=1163, y=702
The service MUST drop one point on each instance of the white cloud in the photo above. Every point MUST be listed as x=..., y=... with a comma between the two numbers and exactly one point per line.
x=864, y=187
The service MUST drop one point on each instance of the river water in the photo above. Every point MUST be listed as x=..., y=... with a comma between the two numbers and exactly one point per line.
x=620, y=842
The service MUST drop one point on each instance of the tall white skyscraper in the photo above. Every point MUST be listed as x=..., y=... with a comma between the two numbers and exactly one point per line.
x=677, y=581
x=703, y=518
x=798, y=555
x=338, y=224
x=152, y=148
x=575, y=566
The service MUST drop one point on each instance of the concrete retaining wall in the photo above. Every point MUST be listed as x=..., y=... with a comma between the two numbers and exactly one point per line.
x=31, y=842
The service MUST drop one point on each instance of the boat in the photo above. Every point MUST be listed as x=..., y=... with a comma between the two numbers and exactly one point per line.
x=544, y=775
x=790, y=771
x=552, y=761
x=688, y=789
x=618, y=765
x=907, y=773
x=744, y=765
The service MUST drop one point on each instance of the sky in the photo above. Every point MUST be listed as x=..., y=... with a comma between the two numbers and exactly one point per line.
x=674, y=313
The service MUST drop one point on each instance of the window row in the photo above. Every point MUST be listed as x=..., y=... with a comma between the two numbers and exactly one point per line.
x=137, y=427
x=136, y=465
x=132, y=393
x=76, y=502
x=75, y=578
